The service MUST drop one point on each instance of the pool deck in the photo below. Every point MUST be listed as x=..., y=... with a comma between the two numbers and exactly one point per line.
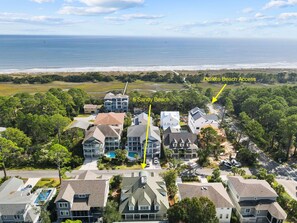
x=32, y=181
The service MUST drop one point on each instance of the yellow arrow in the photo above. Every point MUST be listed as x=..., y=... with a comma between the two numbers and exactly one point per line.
x=214, y=99
x=143, y=165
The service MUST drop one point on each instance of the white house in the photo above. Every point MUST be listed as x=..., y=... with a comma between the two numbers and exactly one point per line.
x=170, y=119
x=142, y=119
x=198, y=119
x=214, y=192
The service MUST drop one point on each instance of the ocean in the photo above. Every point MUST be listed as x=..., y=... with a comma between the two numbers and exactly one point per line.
x=90, y=53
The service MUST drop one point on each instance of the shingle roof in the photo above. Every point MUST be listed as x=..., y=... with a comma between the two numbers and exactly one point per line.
x=111, y=95
x=95, y=133
x=151, y=192
x=140, y=131
x=251, y=187
x=197, y=113
x=214, y=191
x=178, y=136
x=91, y=106
x=96, y=189
x=110, y=119
x=79, y=124
x=142, y=119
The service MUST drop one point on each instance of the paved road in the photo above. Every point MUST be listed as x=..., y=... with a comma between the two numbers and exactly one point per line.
x=281, y=171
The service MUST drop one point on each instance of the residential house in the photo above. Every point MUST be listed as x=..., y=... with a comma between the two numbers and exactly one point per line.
x=116, y=103
x=136, y=136
x=142, y=119
x=143, y=197
x=101, y=139
x=170, y=119
x=255, y=201
x=18, y=204
x=113, y=119
x=198, y=119
x=91, y=109
x=82, y=198
x=214, y=192
x=183, y=144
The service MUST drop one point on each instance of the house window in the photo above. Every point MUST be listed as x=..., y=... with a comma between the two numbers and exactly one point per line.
x=17, y=217
x=221, y=216
x=131, y=208
x=144, y=208
x=227, y=216
x=157, y=207
x=82, y=196
x=64, y=213
x=247, y=210
x=63, y=205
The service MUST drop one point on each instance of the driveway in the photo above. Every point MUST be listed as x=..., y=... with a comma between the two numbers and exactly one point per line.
x=89, y=164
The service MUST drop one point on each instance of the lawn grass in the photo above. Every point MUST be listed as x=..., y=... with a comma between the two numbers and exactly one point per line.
x=47, y=182
x=101, y=88
x=94, y=89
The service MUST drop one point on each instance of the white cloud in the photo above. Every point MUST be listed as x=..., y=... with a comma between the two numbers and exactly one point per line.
x=42, y=1
x=128, y=17
x=6, y=17
x=93, y=7
x=71, y=10
x=280, y=3
x=247, y=10
x=288, y=15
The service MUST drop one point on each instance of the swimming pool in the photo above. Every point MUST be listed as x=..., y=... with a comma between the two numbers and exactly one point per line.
x=43, y=196
x=111, y=155
x=132, y=154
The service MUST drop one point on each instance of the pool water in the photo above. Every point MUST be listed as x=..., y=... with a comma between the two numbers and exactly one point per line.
x=111, y=155
x=132, y=154
x=43, y=196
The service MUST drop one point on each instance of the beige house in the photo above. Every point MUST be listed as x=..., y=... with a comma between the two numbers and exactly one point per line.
x=255, y=201
x=214, y=192
x=143, y=198
x=82, y=198
x=91, y=109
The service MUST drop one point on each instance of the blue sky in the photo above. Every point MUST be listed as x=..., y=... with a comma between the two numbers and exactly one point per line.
x=170, y=18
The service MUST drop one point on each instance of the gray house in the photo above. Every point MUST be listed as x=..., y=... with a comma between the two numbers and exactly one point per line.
x=136, y=140
x=143, y=197
x=116, y=103
x=17, y=203
x=183, y=144
x=82, y=198
x=142, y=119
x=101, y=139
x=255, y=201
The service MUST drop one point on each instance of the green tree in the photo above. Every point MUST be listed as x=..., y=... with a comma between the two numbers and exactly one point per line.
x=289, y=129
x=45, y=215
x=193, y=210
x=8, y=151
x=121, y=155
x=59, y=123
x=60, y=156
x=170, y=181
x=216, y=176
x=18, y=137
x=208, y=136
x=72, y=221
x=111, y=213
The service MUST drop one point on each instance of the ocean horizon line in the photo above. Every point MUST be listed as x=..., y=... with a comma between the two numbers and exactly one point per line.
x=279, y=65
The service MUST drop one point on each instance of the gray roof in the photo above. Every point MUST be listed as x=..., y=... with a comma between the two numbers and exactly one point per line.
x=197, y=113
x=94, y=133
x=214, y=191
x=150, y=192
x=251, y=187
x=79, y=124
x=186, y=137
x=13, y=198
x=141, y=119
x=140, y=131
x=274, y=209
x=111, y=96
x=96, y=189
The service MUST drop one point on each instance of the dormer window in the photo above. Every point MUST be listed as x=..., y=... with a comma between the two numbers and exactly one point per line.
x=157, y=207
x=131, y=208
x=182, y=144
x=174, y=145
